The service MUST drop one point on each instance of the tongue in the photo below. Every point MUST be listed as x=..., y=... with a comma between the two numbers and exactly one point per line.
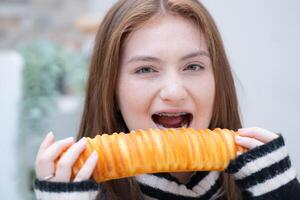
x=170, y=122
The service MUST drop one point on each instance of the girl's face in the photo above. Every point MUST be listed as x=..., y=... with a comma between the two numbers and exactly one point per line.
x=166, y=77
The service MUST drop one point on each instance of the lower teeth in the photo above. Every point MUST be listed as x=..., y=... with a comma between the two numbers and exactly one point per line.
x=183, y=125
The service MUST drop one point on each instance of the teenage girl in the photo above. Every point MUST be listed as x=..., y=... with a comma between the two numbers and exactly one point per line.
x=162, y=64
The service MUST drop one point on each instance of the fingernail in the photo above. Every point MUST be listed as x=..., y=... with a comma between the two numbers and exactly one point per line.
x=82, y=139
x=50, y=134
x=238, y=138
x=242, y=131
x=95, y=154
x=70, y=139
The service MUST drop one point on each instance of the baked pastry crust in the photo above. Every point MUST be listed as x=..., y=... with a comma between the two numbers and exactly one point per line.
x=155, y=150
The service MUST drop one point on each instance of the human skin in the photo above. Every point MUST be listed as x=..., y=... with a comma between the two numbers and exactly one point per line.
x=158, y=81
x=155, y=77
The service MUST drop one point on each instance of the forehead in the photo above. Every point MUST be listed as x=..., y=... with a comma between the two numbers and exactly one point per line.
x=165, y=33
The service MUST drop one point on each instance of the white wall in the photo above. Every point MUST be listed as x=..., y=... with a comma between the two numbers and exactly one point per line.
x=10, y=83
x=262, y=39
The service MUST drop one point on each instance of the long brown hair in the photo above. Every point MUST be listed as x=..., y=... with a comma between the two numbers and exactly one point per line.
x=101, y=114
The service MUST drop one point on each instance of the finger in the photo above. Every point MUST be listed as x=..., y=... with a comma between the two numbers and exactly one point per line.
x=44, y=164
x=247, y=142
x=260, y=134
x=49, y=139
x=57, y=148
x=65, y=163
x=88, y=168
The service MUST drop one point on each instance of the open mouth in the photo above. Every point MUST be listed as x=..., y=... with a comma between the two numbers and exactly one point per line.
x=172, y=120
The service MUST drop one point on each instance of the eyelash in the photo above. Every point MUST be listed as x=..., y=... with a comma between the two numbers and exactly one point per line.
x=200, y=67
x=140, y=70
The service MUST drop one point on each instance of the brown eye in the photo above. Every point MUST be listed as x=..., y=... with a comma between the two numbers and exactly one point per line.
x=194, y=67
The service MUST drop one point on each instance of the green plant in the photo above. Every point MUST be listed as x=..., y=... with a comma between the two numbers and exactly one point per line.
x=49, y=70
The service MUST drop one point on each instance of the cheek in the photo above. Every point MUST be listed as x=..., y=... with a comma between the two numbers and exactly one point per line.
x=204, y=94
x=209, y=94
x=204, y=107
x=134, y=99
x=133, y=95
x=204, y=88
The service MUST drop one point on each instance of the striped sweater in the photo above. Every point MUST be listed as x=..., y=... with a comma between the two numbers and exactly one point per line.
x=262, y=173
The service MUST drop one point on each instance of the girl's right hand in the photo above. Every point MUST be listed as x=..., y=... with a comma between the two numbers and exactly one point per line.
x=50, y=150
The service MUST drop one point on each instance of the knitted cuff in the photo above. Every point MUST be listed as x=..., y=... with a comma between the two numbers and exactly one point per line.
x=84, y=190
x=263, y=170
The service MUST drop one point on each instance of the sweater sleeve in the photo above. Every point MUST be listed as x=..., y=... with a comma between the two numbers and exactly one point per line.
x=84, y=190
x=265, y=172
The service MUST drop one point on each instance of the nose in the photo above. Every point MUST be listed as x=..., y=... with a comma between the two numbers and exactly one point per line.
x=173, y=91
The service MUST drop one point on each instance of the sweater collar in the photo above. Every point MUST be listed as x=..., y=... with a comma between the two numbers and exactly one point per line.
x=202, y=185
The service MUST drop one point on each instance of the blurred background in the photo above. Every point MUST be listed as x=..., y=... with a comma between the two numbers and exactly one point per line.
x=45, y=46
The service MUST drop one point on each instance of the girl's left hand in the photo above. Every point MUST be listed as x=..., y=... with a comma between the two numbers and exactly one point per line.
x=254, y=136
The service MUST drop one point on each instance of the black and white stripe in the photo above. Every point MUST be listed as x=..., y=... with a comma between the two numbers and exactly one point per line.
x=264, y=169
x=203, y=185
x=85, y=190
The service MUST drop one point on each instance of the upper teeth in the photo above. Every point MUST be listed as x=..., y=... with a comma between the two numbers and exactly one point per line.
x=172, y=114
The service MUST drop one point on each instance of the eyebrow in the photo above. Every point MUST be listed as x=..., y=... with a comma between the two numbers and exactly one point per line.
x=151, y=58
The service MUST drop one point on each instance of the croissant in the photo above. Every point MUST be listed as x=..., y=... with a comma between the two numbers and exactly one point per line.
x=168, y=150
